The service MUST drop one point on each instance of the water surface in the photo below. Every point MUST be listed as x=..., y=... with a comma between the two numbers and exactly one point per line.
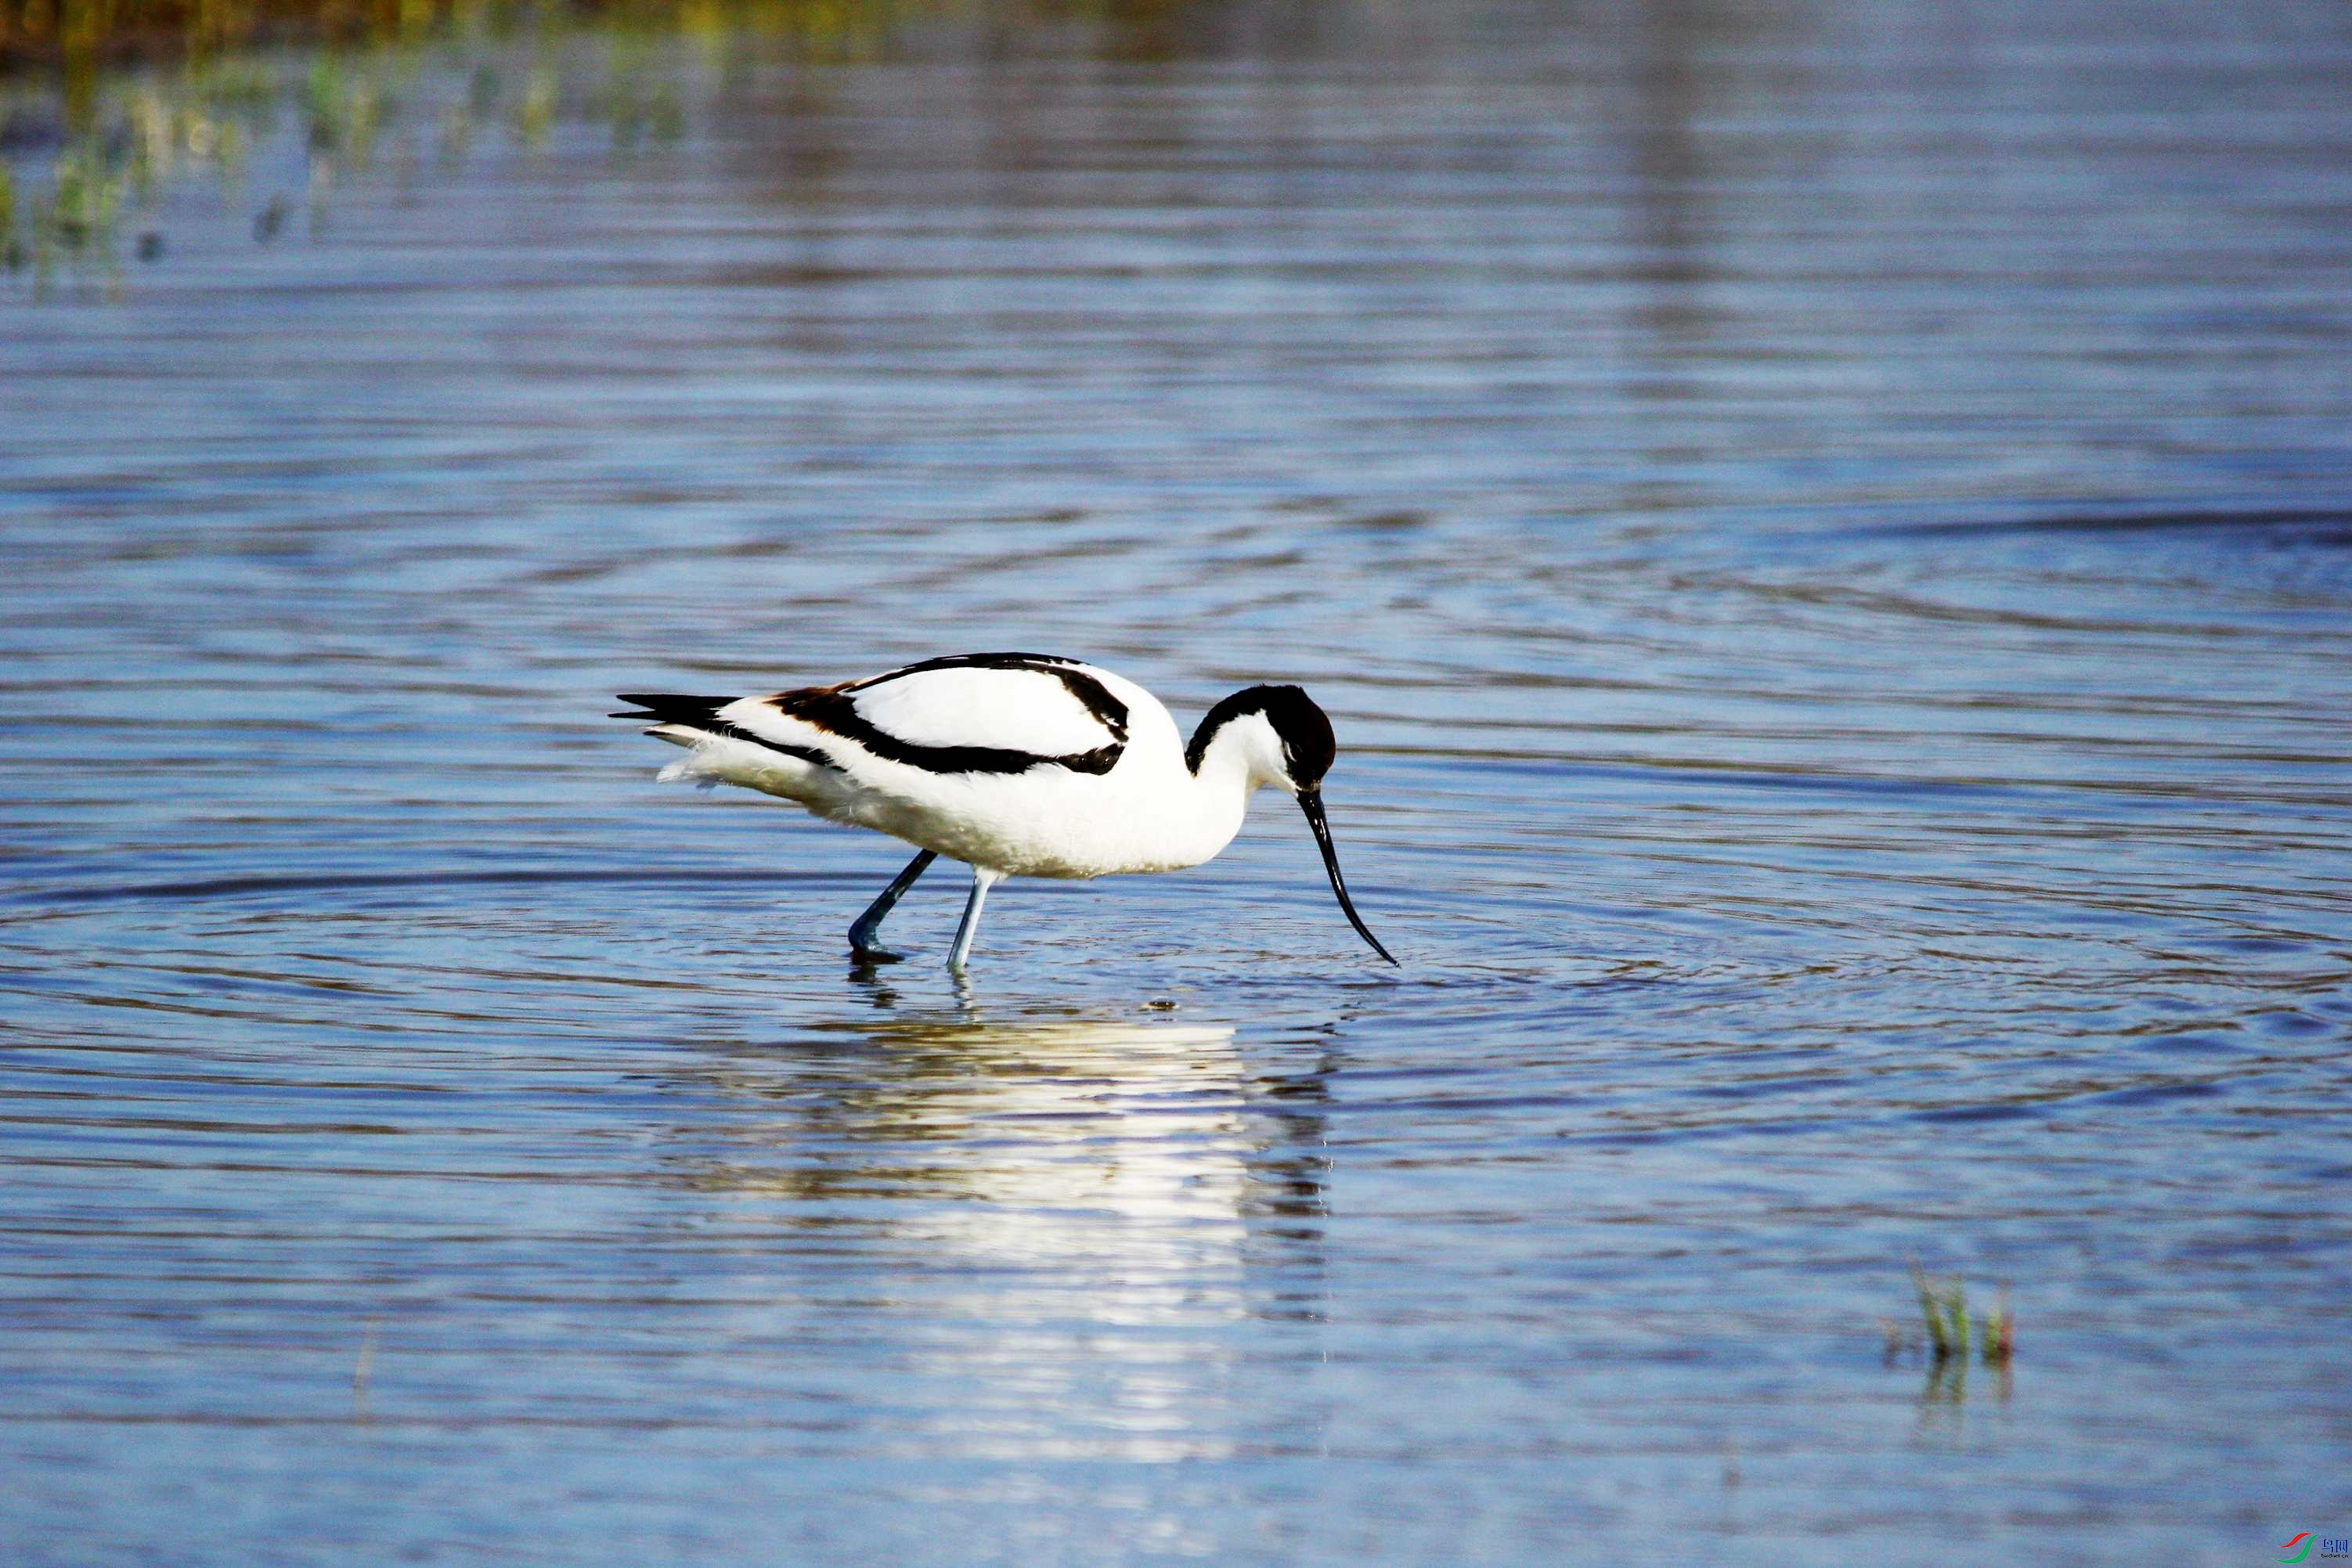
x=1823, y=531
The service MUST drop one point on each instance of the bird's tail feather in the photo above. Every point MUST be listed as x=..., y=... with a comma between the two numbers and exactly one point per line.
x=719, y=752
x=682, y=720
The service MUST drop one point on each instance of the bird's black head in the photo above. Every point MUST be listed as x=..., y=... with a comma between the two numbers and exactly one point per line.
x=1304, y=731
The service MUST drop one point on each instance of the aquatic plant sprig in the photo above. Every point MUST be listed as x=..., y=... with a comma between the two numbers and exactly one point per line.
x=1949, y=1328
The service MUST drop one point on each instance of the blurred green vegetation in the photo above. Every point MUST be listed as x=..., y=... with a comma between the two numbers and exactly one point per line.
x=78, y=34
x=105, y=103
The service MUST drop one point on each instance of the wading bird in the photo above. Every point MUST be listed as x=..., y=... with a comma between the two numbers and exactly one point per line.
x=1015, y=764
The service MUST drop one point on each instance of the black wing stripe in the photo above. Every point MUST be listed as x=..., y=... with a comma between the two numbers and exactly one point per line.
x=833, y=709
x=1092, y=694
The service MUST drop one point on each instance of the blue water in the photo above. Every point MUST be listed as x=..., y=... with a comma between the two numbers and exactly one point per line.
x=1824, y=530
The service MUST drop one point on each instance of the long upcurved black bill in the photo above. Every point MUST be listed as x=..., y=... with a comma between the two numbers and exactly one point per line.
x=1311, y=802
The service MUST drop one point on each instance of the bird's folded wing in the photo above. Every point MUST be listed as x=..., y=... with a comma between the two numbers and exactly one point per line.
x=1032, y=710
x=953, y=717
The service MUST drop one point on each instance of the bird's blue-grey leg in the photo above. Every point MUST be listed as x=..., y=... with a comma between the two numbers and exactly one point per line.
x=861, y=933
x=982, y=879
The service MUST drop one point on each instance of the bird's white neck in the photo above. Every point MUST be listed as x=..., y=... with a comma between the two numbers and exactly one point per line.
x=1213, y=798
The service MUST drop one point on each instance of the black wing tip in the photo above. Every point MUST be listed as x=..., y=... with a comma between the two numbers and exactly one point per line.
x=669, y=707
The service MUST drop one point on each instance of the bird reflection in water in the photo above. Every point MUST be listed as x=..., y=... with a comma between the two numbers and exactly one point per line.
x=1079, y=1212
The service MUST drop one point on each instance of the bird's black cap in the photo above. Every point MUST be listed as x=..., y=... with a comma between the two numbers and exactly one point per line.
x=1308, y=746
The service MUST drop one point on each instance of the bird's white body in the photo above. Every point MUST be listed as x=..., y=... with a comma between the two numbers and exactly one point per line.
x=1148, y=812
x=1016, y=764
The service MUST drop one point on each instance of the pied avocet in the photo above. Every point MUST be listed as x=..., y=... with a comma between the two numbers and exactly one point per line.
x=1016, y=764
